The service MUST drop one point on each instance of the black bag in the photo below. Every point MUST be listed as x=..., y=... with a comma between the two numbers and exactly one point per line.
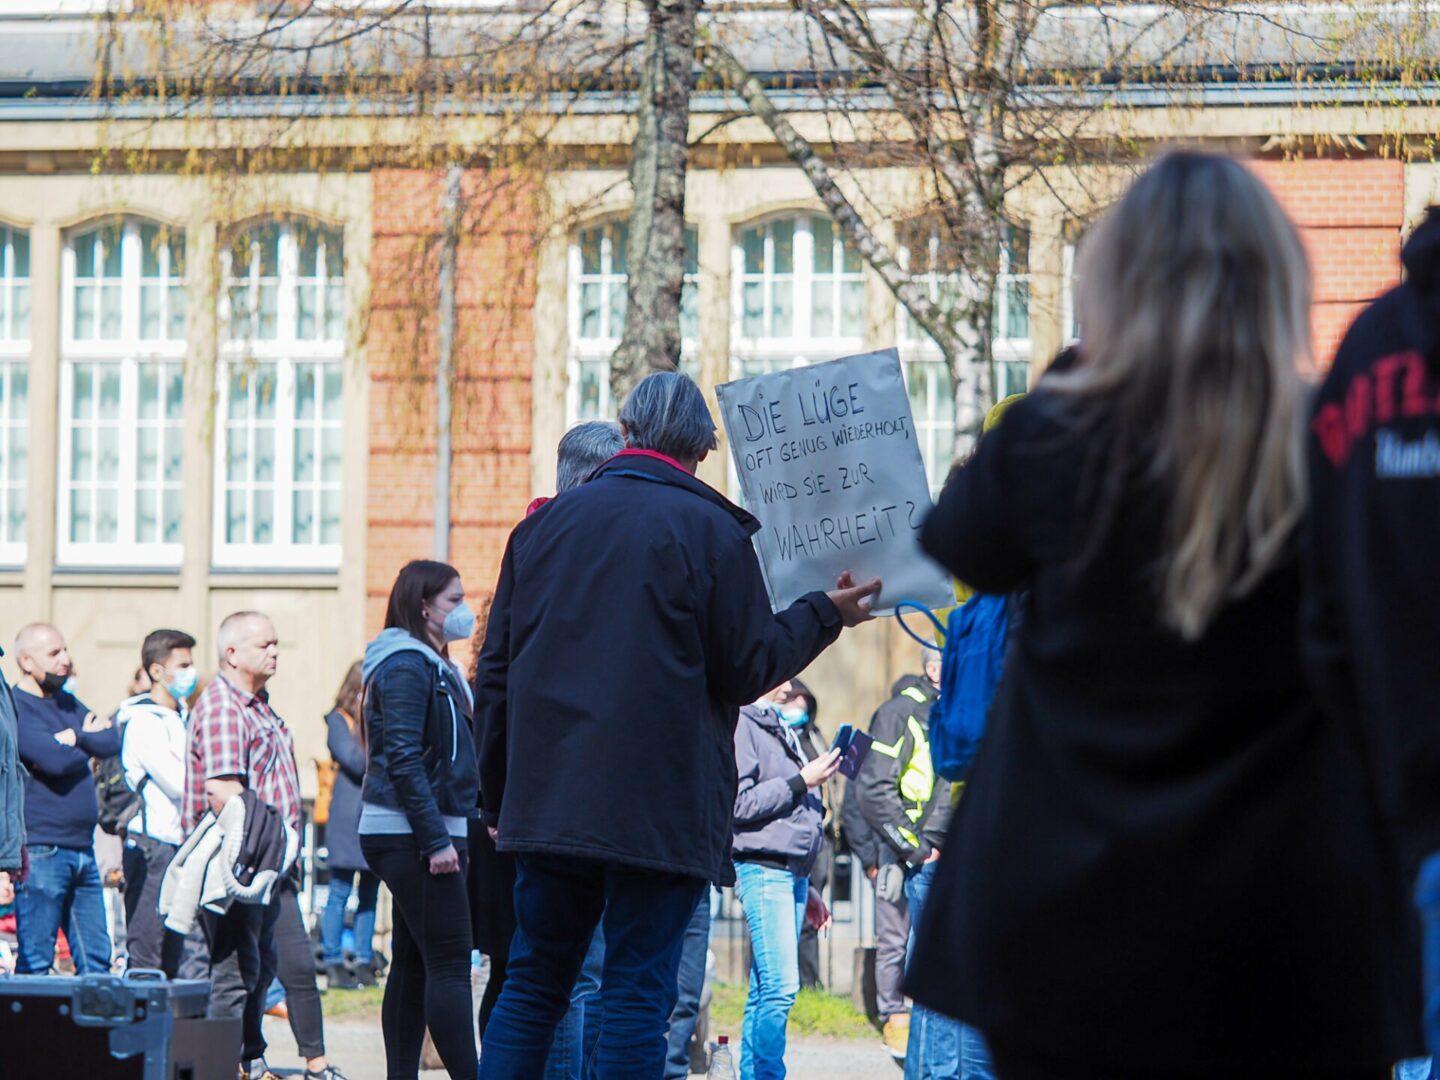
x=117, y=801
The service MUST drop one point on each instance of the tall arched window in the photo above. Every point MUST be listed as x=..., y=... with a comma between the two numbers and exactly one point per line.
x=14, y=391
x=279, y=472
x=599, y=276
x=924, y=251
x=122, y=395
x=798, y=295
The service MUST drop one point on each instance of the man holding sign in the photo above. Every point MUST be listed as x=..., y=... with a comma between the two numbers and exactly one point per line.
x=644, y=583
x=828, y=462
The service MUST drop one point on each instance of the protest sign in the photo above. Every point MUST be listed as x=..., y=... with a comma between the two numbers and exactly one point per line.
x=829, y=463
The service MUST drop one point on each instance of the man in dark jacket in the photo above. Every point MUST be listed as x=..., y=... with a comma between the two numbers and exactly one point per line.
x=12, y=789
x=1372, y=614
x=643, y=579
x=58, y=735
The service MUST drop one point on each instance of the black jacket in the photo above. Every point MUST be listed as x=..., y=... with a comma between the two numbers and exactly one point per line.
x=1372, y=624
x=421, y=750
x=905, y=804
x=855, y=831
x=341, y=840
x=629, y=625
x=1167, y=859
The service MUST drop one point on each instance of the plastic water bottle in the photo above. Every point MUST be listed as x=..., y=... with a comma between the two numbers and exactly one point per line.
x=722, y=1065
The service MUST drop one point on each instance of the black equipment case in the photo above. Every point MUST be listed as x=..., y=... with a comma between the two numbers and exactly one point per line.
x=107, y=1027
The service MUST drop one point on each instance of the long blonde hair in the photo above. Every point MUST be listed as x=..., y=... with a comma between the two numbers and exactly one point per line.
x=1194, y=304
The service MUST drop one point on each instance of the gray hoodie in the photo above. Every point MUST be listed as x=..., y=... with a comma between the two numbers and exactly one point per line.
x=775, y=814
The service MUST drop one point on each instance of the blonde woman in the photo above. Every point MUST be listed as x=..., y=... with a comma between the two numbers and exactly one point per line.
x=1166, y=862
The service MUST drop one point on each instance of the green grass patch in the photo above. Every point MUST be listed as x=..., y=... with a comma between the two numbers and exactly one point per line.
x=815, y=1013
x=352, y=1004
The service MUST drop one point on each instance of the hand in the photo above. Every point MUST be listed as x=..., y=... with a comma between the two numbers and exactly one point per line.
x=221, y=790
x=821, y=769
x=494, y=833
x=95, y=723
x=872, y=872
x=816, y=913
x=445, y=861
x=854, y=601
x=934, y=855
x=66, y=737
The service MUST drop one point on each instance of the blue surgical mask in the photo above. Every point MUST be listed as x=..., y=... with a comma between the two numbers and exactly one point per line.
x=459, y=623
x=184, y=683
x=796, y=718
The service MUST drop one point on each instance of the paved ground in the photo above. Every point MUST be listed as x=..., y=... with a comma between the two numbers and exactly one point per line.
x=356, y=1047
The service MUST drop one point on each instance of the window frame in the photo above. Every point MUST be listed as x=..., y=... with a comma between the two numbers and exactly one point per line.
x=288, y=352
x=801, y=347
x=14, y=356
x=583, y=351
x=128, y=353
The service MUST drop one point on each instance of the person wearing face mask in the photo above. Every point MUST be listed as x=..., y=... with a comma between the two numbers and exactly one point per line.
x=57, y=737
x=421, y=790
x=800, y=711
x=152, y=741
x=778, y=834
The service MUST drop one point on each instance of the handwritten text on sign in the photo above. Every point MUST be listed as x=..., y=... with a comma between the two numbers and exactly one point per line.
x=829, y=463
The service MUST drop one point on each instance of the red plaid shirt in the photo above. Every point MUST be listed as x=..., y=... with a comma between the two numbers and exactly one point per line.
x=233, y=733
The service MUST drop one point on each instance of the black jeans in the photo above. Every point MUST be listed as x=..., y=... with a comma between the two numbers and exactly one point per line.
x=295, y=968
x=429, y=983
x=144, y=862
x=241, y=946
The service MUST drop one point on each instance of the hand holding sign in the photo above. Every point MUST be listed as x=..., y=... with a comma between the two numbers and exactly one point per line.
x=854, y=601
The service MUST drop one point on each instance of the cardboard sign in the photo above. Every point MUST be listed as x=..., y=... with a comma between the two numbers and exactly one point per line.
x=829, y=463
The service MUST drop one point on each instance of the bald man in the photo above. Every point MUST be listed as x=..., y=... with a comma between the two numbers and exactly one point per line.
x=57, y=738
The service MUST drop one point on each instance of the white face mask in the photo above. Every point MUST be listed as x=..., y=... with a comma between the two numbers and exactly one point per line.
x=459, y=623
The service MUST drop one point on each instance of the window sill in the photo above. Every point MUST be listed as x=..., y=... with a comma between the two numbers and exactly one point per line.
x=226, y=577
x=122, y=577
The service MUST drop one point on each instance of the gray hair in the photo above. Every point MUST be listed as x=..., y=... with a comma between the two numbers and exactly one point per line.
x=667, y=413
x=230, y=629
x=929, y=656
x=583, y=449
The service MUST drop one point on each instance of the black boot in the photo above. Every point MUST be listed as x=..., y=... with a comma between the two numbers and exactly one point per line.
x=365, y=975
x=338, y=977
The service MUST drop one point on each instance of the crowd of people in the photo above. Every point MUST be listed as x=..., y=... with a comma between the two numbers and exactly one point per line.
x=1201, y=837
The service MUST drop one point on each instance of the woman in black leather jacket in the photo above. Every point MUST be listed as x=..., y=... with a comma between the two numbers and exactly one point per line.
x=420, y=792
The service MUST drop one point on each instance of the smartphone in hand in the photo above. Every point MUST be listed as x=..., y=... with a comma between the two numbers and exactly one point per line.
x=856, y=748
x=843, y=738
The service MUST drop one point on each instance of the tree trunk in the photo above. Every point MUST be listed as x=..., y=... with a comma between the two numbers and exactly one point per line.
x=656, y=252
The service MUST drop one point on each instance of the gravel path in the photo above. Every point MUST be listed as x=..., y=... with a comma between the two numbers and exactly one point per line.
x=357, y=1048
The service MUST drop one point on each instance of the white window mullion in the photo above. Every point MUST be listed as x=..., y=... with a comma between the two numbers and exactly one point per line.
x=285, y=485
x=129, y=465
x=803, y=264
x=130, y=269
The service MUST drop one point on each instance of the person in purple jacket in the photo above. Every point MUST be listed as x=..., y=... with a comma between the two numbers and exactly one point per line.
x=58, y=735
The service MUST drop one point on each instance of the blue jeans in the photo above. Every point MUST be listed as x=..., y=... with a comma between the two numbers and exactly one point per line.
x=63, y=889
x=559, y=901
x=774, y=902
x=1427, y=902
x=940, y=1048
x=1417, y=1069
x=332, y=923
x=693, y=957
x=571, y=1049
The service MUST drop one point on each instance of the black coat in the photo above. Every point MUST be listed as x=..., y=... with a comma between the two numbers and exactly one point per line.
x=629, y=625
x=341, y=838
x=1166, y=858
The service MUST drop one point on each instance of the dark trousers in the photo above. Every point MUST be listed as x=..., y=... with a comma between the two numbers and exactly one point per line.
x=809, y=936
x=429, y=983
x=144, y=861
x=241, y=948
x=558, y=904
x=690, y=984
x=295, y=968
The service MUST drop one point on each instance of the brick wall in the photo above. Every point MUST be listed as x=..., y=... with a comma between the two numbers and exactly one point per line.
x=493, y=358
x=1350, y=215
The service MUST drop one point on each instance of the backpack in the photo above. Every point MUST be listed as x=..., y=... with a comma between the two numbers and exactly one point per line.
x=117, y=802
x=972, y=644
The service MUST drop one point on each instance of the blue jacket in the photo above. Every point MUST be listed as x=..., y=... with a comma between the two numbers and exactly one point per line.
x=418, y=729
x=12, y=782
x=775, y=813
x=629, y=625
x=60, y=806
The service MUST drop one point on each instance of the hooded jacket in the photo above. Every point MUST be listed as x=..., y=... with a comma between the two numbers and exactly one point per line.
x=776, y=814
x=905, y=804
x=421, y=748
x=1372, y=617
x=12, y=782
x=629, y=625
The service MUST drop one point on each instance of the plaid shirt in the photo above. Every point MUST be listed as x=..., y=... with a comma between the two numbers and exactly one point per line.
x=237, y=734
